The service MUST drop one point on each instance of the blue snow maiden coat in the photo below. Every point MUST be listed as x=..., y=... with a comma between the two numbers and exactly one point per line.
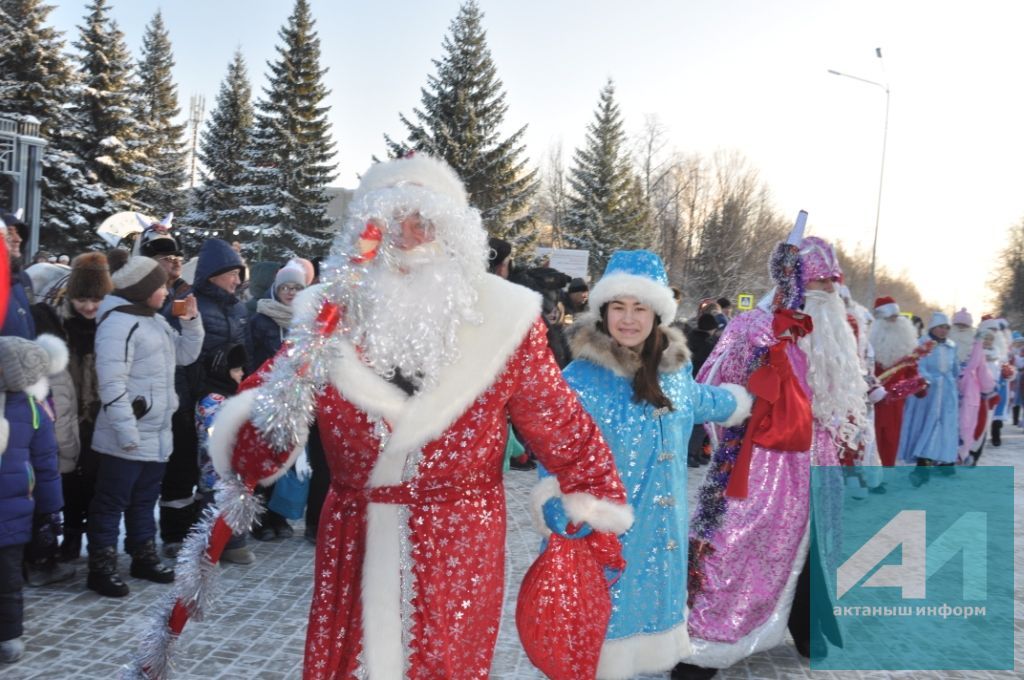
x=931, y=425
x=29, y=479
x=647, y=631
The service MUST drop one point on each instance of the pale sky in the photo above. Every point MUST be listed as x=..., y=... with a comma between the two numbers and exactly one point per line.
x=743, y=75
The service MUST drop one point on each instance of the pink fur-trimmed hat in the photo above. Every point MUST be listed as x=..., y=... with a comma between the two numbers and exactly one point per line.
x=819, y=260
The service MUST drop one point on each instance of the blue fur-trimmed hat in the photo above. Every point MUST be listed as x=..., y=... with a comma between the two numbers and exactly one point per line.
x=636, y=273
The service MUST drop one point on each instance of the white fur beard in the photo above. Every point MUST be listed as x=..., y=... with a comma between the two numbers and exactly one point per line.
x=893, y=340
x=408, y=322
x=964, y=340
x=837, y=385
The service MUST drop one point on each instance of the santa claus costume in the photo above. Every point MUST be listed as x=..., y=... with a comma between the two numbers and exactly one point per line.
x=411, y=358
x=893, y=337
x=751, y=533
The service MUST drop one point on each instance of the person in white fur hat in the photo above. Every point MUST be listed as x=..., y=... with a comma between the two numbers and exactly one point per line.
x=411, y=357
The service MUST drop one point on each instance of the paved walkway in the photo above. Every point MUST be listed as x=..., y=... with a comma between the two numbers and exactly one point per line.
x=258, y=625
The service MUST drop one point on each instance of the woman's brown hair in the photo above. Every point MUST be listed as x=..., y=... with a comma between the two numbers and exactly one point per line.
x=646, y=386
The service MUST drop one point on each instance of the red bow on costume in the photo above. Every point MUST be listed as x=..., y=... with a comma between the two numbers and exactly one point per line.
x=781, y=416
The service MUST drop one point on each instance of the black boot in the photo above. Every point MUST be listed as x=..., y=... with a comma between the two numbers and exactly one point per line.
x=687, y=671
x=71, y=546
x=997, y=433
x=146, y=564
x=1016, y=414
x=920, y=474
x=103, y=576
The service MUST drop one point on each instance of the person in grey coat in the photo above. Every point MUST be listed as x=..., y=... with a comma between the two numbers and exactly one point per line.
x=136, y=354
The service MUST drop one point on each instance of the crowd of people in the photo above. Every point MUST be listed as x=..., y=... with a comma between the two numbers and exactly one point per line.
x=419, y=362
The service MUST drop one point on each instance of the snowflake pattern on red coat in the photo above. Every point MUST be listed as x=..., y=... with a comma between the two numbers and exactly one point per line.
x=454, y=503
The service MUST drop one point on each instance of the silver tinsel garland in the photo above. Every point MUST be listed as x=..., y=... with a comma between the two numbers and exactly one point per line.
x=195, y=580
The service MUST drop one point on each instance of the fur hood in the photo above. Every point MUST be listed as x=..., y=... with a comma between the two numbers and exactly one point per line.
x=588, y=342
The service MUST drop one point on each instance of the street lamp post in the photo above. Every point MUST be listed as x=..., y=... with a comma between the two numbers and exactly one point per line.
x=881, y=173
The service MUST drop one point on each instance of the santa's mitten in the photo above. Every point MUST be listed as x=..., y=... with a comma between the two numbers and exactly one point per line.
x=558, y=522
x=877, y=394
x=253, y=458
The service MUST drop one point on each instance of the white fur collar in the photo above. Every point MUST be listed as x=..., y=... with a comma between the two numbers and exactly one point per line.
x=509, y=311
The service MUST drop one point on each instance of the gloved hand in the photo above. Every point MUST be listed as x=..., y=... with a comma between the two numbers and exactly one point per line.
x=876, y=394
x=558, y=521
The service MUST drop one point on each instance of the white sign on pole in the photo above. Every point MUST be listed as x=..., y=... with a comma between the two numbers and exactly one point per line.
x=571, y=262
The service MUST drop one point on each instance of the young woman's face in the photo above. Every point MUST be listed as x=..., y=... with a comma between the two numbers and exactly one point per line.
x=630, y=321
x=286, y=292
x=86, y=307
x=156, y=299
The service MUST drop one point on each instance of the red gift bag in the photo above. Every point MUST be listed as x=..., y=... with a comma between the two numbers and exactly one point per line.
x=563, y=608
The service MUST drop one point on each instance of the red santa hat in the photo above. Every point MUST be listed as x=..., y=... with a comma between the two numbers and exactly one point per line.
x=886, y=307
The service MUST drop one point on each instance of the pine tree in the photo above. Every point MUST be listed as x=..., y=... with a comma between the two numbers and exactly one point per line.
x=161, y=139
x=463, y=112
x=36, y=80
x=607, y=210
x=109, y=140
x=288, y=161
x=218, y=200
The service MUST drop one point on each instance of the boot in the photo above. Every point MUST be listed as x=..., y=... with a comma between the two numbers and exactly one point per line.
x=46, y=571
x=997, y=433
x=11, y=650
x=688, y=671
x=70, y=547
x=1016, y=414
x=146, y=564
x=280, y=525
x=920, y=474
x=103, y=576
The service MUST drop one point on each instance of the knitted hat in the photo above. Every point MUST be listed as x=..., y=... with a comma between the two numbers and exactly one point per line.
x=308, y=268
x=639, y=274
x=578, y=285
x=24, y=367
x=963, y=317
x=938, y=319
x=290, y=273
x=90, y=277
x=139, y=278
x=886, y=307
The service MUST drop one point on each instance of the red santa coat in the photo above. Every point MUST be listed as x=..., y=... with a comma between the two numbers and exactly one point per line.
x=888, y=421
x=410, y=554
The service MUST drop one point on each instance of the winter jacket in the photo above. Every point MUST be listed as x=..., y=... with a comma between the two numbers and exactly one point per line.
x=29, y=480
x=18, y=321
x=265, y=338
x=135, y=363
x=701, y=343
x=63, y=392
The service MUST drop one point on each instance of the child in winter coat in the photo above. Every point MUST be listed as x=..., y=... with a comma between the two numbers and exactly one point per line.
x=136, y=353
x=29, y=480
x=224, y=370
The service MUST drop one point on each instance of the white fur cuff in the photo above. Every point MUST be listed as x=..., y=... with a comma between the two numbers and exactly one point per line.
x=600, y=514
x=231, y=416
x=744, y=402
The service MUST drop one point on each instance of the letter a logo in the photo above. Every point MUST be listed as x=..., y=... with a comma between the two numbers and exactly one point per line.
x=907, y=531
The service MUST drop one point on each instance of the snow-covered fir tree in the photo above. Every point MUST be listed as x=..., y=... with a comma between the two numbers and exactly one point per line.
x=606, y=207
x=218, y=199
x=110, y=140
x=463, y=110
x=161, y=138
x=288, y=163
x=36, y=80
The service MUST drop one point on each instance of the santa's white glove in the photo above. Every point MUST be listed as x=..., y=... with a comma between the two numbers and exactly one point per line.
x=877, y=394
